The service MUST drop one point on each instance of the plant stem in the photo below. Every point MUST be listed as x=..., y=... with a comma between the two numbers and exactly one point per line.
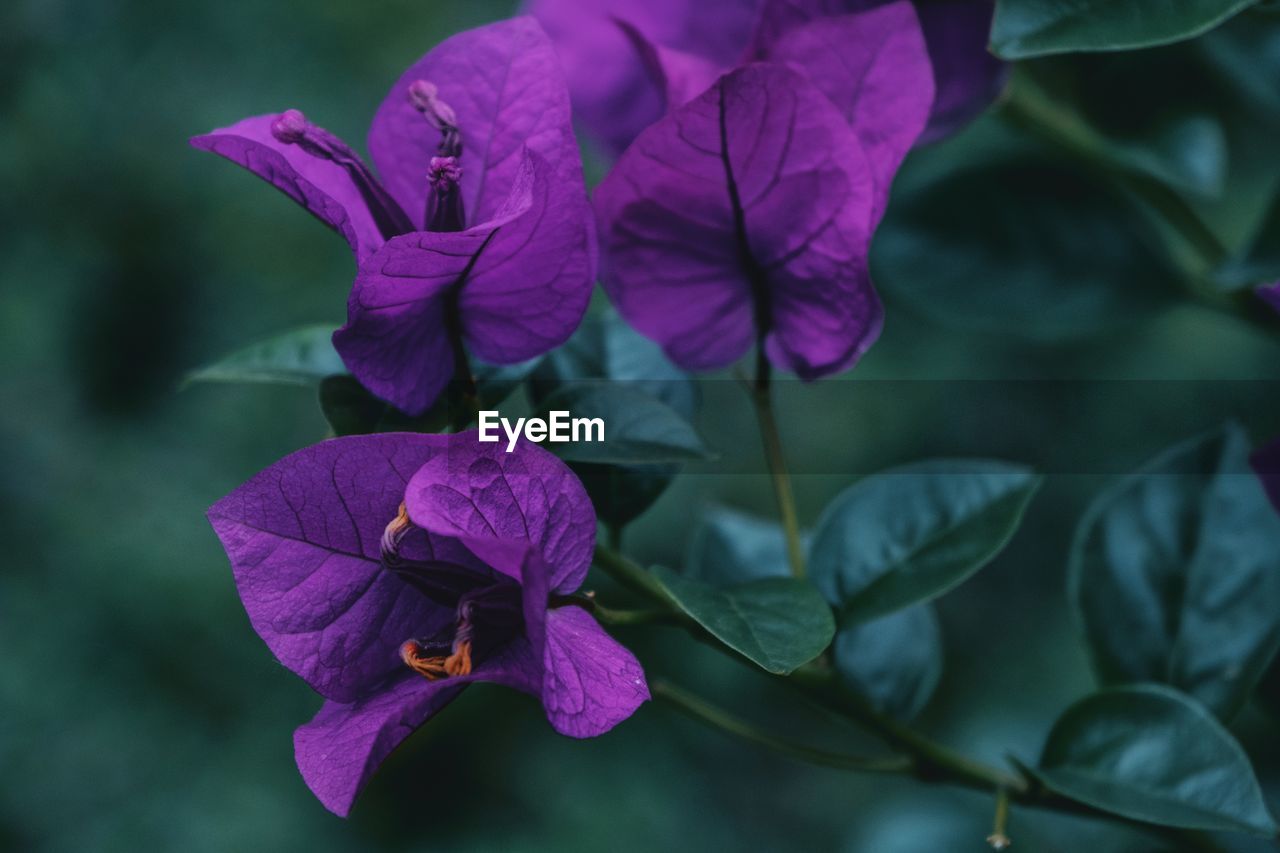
x=999, y=838
x=762, y=396
x=711, y=715
x=935, y=762
x=633, y=576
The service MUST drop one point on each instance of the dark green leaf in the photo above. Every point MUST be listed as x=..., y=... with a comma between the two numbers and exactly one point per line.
x=1026, y=28
x=894, y=661
x=730, y=547
x=1149, y=753
x=638, y=428
x=496, y=382
x=301, y=357
x=605, y=347
x=1019, y=247
x=778, y=623
x=352, y=410
x=910, y=534
x=1175, y=574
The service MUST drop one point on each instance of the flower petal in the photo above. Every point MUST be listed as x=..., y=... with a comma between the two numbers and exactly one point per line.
x=395, y=340
x=680, y=76
x=592, y=683
x=530, y=287
x=967, y=76
x=523, y=281
x=874, y=67
x=341, y=748
x=303, y=539
x=505, y=84
x=679, y=270
x=481, y=492
x=321, y=186
x=613, y=95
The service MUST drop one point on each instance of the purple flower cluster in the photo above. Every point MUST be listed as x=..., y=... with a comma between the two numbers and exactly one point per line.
x=761, y=142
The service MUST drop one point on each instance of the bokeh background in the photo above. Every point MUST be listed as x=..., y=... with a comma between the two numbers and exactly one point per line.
x=138, y=710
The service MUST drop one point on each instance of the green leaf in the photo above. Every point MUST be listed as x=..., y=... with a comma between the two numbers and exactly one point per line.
x=1010, y=244
x=1175, y=574
x=638, y=428
x=497, y=382
x=301, y=357
x=1027, y=28
x=778, y=623
x=605, y=347
x=894, y=661
x=728, y=546
x=1149, y=753
x=351, y=410
x=912, y=533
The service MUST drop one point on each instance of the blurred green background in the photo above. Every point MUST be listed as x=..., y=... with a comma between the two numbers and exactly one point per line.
x=138, y=710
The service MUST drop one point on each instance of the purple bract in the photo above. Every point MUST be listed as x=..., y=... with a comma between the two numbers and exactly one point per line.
x=390, y=571
x=477, y=230
x=616, y=96
x=744, y=217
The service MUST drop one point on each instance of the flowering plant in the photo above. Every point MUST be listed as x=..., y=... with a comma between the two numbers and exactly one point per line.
x=758, y=157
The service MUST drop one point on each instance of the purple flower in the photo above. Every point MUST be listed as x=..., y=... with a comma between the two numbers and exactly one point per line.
x=478, y=231
x=616, y=96
x=744, y=217
x=391, y=571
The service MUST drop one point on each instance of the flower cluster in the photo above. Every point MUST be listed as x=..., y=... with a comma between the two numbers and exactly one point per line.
x=390, y=571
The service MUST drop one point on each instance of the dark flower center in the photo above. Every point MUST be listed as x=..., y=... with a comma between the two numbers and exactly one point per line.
x=488, y=608
x=292, y=128
x=444, y=196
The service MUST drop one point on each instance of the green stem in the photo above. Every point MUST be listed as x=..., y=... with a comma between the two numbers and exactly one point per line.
x=935, y=762
x=717, y=718
x=999, y=837
x=762, y=396
x=633, y=576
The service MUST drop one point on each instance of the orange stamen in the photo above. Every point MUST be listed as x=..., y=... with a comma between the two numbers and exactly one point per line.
x=459, y=663
x=429, y=666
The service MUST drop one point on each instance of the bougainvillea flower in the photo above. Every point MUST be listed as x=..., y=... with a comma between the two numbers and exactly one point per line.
x=616, y=94
x=1266, y=462
x=391, y=571
x=744, y=217
x=476, y=230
